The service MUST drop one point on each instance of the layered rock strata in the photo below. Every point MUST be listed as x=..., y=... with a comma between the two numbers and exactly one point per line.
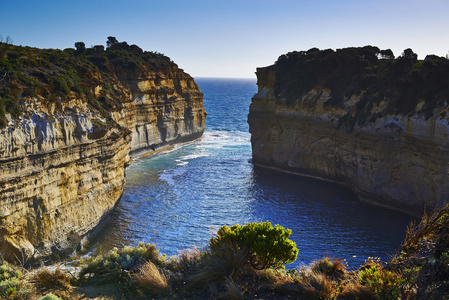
x=164, y=108
x=395, y=160
x=62, y=162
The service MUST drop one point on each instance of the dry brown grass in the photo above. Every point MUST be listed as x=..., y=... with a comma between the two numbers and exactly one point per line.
x=149, y=278
x=329, y=267
x=188, y=258
x=429, y=225
x=317, y=286
x=308, y=284
x=224, y=261
x=48, y=277
x=232, y=291
x=352, y=290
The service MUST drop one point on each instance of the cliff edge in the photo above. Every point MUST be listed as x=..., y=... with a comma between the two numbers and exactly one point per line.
x=69, y=121
x=360, y=117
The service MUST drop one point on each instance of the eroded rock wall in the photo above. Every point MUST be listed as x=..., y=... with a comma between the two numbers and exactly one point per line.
x=59, y=175
x=397, y=161
x=163, y=108
x=62, y=164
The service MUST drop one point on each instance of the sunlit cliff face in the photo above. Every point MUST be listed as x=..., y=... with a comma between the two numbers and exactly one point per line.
x=62, y=163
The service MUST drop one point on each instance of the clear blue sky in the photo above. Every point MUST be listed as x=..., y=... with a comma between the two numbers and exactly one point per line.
x=230, y=38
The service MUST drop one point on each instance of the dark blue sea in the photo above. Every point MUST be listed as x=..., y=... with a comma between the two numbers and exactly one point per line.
x=179, y=198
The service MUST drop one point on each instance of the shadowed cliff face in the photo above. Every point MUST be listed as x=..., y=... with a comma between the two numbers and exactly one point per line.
x=64, y=146
x=398, y=160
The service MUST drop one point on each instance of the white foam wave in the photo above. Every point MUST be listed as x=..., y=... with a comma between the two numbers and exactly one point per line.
x=169, y=176
x=219, y=139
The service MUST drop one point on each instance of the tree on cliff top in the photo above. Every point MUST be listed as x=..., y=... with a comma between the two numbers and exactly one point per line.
x=387, y=54
x=80, y=48
x=111, y=41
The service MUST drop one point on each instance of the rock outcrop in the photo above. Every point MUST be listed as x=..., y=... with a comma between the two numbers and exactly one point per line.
x=389, y=155
x=70, y=123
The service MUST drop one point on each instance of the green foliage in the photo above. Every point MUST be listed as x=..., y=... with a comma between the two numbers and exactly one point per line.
x=401, y=82
x=50, y=296
x=118, y=263
x=268, y=246
x=384, y=283
x=2, y=114
x=10, y=105
x=111, y=41
x=61, y=84
x=12, y=285
x=51, y=75
x=80, y=48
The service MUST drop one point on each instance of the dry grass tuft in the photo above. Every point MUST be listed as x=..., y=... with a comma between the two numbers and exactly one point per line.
x=355, y=291
x=189, y=258
x=330, y=267
x=316, y=286
x=311, y=285
x=149, y=278
x=431, y=224
x=46, y=277
x=233, y=291
x=224, y=261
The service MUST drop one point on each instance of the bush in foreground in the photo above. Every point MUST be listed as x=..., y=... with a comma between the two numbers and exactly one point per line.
x=226, y=270
x=268, y=246
x=119, y=264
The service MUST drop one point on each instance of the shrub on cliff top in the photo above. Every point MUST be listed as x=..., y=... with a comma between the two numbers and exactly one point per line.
x=268, y=246
x=51, y=74
x=119, y=263
x=401, y=83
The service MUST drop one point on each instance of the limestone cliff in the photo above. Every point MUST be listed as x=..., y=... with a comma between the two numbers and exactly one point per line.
x=68, y=122
x=343, y=116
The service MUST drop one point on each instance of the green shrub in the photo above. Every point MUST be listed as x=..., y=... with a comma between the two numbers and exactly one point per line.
x=119, y=263
x=2, y=114
x=12, y=285
x=9, y=104
x=268, y=246
x=385, y=284
x=61, y=84
x=50, y=296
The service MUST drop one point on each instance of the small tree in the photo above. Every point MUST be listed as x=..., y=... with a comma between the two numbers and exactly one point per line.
x=80, y=48
x=267, y=246
x=4, y=45
x=387, y=54
x=111, y=41
x=409, y=55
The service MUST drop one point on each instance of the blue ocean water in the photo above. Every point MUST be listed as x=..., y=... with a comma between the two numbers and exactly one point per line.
x=178, y=199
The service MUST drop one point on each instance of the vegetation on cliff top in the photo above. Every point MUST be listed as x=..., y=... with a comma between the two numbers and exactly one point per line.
x=53, y=75
x=372, y=74
x=226, y=270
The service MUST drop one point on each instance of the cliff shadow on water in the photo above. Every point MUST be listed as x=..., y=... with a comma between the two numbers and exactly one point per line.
x=327, y=219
